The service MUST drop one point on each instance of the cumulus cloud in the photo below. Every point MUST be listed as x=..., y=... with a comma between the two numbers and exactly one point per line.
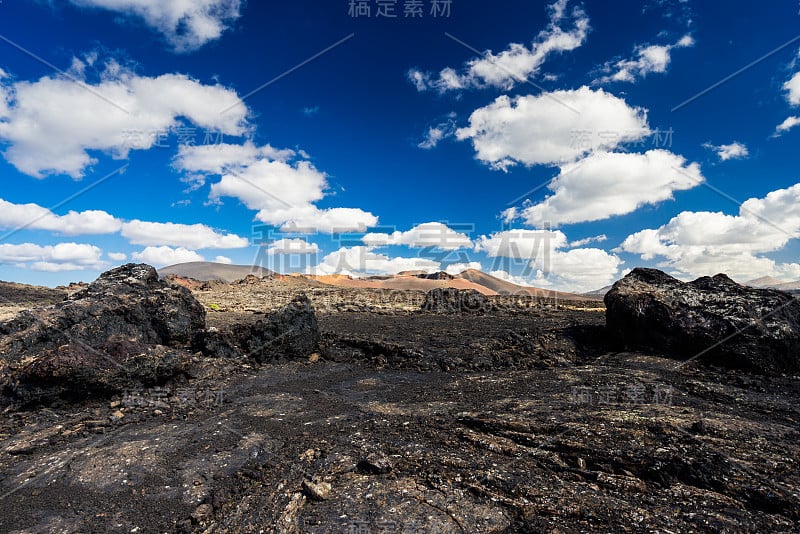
x=518, y=280
x=292, y=246
x=282, y=185
x=605, y=184
x=355, y=261
x=541, y=252
x=458, y=268
x=787, y=125
x=734, y=150
x=35, y=217
x=581, y=269
x=521, y=244
x=566, y=31
x=792, y=88
x=646, y=59
x=186, y=24
x=552, y=127
x=117, y=256
x=164, y=256
x=223, y=259
x=53, y=258
x=191, y=236
x=706, y=243
x=432, y=234
x=52, y=124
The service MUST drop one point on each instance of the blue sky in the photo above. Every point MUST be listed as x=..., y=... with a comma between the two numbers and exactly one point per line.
x=557, y=144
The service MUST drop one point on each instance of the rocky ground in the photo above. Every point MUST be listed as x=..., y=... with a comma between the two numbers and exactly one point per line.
x=516, y=419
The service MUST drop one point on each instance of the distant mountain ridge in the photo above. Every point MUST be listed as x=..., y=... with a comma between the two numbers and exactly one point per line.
x=409, y=280
x=206, y=271
x=769, y=282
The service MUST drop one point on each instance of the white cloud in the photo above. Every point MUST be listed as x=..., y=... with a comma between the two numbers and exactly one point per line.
x=35, y=217
x=223, y=259
x=792, y=88
x=355, y=261
x=706, y=243
x=458, y=268
x=589, y=240
x=439, y=132
x=164, y=256
x=605, y=184
x=517, y=62
x=5, y=97
x=580, y=269
x=218, y=158
x=186, y=24
x=432, y=234
x=787, y=125
x=734, y=150
x=53, y=258
x=309, y=219
x=647, y=59
x=292, y=246
x=521, y=244
x=117, y=256
x=283, y=185
x=551, y=127
x=52, y=124
x=518, y=280
x=191, y=236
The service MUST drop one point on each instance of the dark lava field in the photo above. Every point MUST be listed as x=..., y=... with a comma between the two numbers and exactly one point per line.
x=412, y=422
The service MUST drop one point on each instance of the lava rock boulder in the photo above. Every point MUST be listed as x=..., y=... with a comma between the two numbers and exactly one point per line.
x=450, y=300
x=290, y=333
x=712, y=318
x=126, y=329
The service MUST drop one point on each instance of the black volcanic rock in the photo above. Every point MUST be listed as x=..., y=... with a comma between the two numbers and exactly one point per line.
x=292, y=332
x=441, y=275
x=714, y=317
x=449, y=300
x=126, y=329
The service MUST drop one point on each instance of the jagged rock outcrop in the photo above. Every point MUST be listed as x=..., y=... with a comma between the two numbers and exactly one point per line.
x=714, y=317
x=448, y=300
x=290, y=333
x=441, y=275
x=126, y=329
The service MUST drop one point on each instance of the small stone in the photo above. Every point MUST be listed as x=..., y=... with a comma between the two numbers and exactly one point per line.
x=375, y=464
x=314, y=358
x=115, y=404
x=202, y=512
x=581, y=463
x=317, y=491
x=698, y=427
x=116, y=416
x=158, y=412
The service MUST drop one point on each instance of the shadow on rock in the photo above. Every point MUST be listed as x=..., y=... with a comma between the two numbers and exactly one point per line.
x=127, y=329
x=715, y=319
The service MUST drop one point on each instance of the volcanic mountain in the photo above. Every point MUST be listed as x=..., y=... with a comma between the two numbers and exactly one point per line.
x=407, y=280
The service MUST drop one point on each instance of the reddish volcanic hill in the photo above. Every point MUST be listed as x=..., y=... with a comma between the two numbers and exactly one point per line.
x=408, y=280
